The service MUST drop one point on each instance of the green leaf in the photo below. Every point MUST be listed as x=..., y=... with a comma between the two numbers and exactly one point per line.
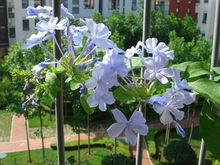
x=85, y=105
x=51, y=78
x=210, y=129
x=197, y=69
x=123, y=96
x=208, y=89
x=216, y=70
x=136, y=63
x=182, y=66
x=74, y=85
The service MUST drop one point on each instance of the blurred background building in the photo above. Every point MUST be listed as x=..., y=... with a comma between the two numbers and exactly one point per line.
x=14, y=27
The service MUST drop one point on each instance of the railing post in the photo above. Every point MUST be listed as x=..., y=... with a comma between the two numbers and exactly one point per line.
x=214, y=63
x=59, y=98
x=145, y=35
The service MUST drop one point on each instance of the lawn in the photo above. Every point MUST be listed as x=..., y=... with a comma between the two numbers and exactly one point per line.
x=5, y=125
x=98, y=154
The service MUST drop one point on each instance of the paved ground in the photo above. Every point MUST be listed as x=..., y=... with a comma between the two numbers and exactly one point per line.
x=18, y=138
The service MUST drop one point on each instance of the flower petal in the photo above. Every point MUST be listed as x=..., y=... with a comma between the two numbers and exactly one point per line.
x=119, y=116
x=131, y=136
x=116, y=129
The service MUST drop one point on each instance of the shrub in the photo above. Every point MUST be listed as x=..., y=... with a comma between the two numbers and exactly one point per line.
x=180, y=153
x=117, y=159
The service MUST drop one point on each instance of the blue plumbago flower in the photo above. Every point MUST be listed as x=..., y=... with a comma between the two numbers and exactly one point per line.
x=39, y=12
x=168, y=107
x=39, y=67
x=100, y=99
x=51, y=25
x=34, y=103
x=134, y=50
x=97, y=81
x=180, y=131
x=32, y=12
x=99, y=34
x=115, y=64
x=82, y=88
x=91, y=49
x=65, y=13
x=35, y=39
x=181, y=89
x=155, y=69
x=133, y=126
x=75, y=34
x=160, y=49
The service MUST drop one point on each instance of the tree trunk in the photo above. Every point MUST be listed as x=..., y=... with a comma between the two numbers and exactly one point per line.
x=88, y=124
x=42, y=135
x=28, y=142
x=78, y=156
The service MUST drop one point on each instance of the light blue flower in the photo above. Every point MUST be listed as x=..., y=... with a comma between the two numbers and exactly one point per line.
x=133, y=126
x=155, y=69
x=115, y=64
x=65, y=13
x=39, y=12
x=152, y=47
x=182, y=89
x=35, y=39
x=168, y=107
x=39, y=67
x=32, y=12
x=100, y=99
x=99, y=34
x=134, y=50
x=180, y=131
x=51, y=25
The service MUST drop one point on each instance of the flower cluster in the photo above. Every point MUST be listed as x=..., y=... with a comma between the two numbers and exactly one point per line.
x=113, y=70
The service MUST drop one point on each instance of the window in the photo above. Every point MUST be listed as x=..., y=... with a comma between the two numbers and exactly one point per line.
x=89, y=4
x=75, y=9
x=204, y=18
x=75, y=2
x=25, y=4
x=113, y=4
x=196, y=17
x=134, y=5
x=11, y=13
x=25, y=24
x=12, y=32
x=206, y=1
x=197, y=1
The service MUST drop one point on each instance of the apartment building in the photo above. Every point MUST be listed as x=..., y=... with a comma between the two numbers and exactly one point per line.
x=4, y=43
x=205, y=16
x=181, y=8
x=19, y=28
x=84, y=8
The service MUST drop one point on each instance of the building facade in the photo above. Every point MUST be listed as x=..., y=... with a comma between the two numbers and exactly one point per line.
x=4, y=42
x=205, y=16
x=181, y=8
x=19, y=28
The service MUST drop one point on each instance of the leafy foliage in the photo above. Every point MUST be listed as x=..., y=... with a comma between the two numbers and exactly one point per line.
x=180, y=152
x=210, y=128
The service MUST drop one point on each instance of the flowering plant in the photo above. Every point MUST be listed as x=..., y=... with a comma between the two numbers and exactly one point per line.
x=103, y=79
